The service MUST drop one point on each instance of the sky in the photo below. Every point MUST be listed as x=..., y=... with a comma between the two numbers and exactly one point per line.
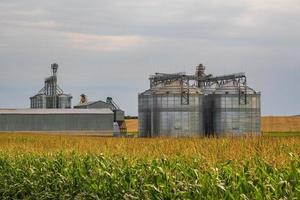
x=109, y=47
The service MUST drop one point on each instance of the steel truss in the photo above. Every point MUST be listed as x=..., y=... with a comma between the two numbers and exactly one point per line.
x=238, y=79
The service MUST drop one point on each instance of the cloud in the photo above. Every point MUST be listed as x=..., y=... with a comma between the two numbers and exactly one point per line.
x=38, y=24
x=102, y=43
x=35, y=12
x=117, y=44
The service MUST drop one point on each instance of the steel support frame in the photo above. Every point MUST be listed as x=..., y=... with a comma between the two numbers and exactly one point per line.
x=238, y=79
x=185, y=91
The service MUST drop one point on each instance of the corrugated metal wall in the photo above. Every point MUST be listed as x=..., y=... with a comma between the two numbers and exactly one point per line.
x=164, y=115
x=233, y=118
x=56, y=122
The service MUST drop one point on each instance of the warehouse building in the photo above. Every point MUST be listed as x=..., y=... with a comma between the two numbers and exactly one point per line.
x=119, y=115
x=83, y=121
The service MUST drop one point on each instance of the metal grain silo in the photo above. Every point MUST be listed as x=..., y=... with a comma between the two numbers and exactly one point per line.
x=64, y=101
x=171, y=109
x=235, y=110
x=200, y=104
x=51, y=95
x=38, y=101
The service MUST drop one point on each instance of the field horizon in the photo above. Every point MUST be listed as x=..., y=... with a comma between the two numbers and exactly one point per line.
x=269, y=124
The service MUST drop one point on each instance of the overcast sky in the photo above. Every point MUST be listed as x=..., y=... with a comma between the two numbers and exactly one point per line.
x=109, y=48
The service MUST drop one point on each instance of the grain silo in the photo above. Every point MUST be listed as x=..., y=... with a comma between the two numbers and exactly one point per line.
x=236, y=110
x=51, y=95
x=171, y=107
x=200, y=104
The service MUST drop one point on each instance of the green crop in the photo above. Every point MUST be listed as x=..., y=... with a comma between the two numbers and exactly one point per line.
x=90, y=176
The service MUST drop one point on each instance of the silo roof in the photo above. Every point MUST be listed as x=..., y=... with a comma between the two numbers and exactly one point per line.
x=231, y=88
x=171, y=88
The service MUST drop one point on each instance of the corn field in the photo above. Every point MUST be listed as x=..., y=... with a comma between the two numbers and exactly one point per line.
x=74, y=167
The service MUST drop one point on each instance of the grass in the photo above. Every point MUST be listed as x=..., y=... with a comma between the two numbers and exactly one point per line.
x=282, y=134
x=80, y=167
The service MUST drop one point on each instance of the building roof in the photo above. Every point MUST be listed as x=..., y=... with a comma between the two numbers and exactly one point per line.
x=231, y=88
x=107, y=105
x=56, y=111
x=88, y=103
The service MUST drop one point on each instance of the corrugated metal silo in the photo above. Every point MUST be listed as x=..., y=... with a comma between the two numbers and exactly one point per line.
x=162, y=112
x=200, y=104
x=51, y=95
x=38, y=101
x=64, y=101
x=233, y=111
